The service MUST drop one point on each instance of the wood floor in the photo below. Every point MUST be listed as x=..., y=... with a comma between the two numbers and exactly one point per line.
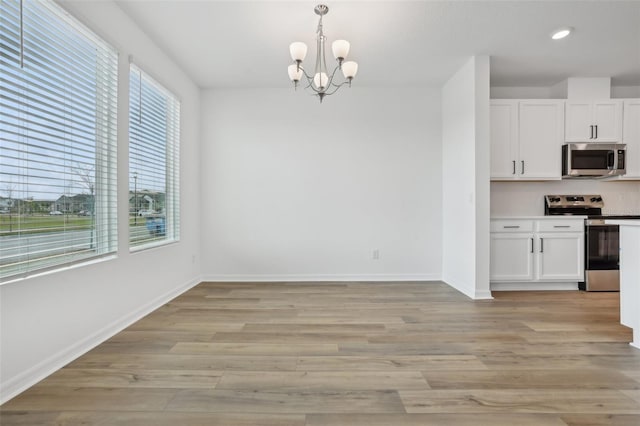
x=352, y=354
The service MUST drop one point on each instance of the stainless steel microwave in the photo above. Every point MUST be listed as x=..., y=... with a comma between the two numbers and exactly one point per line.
x=593, y=159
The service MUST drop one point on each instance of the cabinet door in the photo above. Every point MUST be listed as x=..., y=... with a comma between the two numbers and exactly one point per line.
x=540, y=133
x=578, y=122
x=511, y=257
x=560, y=256
x=631, y=136
x=504, y=139
x=607, y=116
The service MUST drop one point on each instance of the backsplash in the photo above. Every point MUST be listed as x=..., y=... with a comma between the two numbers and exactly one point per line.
x=527, y=198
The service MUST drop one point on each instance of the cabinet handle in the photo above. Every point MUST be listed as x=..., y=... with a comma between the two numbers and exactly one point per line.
x=562, y=226
x=514, y=167
x=541, y=245
x=591, y=137
x=531, y=244
x=522, y=167
x=511, y=226
x=596, y=126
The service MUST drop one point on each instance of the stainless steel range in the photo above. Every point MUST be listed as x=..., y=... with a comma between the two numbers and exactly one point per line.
x=602, y=250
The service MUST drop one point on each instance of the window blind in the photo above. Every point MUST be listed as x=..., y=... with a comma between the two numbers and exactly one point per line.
x=58, y=88
x=154, y=151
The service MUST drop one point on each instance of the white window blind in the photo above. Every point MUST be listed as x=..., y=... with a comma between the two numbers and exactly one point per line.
x=154, y=148
x=58, y=87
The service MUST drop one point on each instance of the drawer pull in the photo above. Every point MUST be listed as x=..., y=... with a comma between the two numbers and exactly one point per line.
x=562, y=226
x=511, y=226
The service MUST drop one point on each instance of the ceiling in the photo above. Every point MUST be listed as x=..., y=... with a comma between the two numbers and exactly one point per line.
x=397, y=43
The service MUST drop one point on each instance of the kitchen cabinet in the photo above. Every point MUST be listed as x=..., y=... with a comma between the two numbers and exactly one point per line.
x=557, y=259
x=511, y=255
x=526, y=139
x=631, y=137
x=545, y=250
x=593, y=121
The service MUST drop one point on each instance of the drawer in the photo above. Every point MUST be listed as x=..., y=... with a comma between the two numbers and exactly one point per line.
x=512, y=225
x=560, y=226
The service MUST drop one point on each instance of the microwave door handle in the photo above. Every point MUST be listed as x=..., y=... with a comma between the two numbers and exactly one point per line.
x=611, y=160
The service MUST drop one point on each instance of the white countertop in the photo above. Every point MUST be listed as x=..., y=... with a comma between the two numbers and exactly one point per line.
x=558, y=217
x=623, y=222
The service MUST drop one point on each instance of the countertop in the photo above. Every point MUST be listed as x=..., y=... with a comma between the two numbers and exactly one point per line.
x=623, y=222
x=558, y=217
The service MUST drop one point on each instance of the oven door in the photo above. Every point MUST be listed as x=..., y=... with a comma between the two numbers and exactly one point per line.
x=602, y=257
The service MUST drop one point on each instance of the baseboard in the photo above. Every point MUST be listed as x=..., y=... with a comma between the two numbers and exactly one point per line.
x=319, y=277
x=482, y=295
x=529, y=286
x=30, y=377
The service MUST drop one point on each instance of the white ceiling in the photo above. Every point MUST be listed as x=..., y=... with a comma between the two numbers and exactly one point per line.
x=397, y=43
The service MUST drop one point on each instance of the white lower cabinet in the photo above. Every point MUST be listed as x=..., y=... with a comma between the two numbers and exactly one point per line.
x=560, y=256
x=543, y=250
x=511, y=258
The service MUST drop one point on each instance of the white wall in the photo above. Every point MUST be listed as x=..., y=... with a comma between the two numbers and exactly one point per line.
x=49, y=320
x=527, y=198
x=298, y=190
x=465, y=139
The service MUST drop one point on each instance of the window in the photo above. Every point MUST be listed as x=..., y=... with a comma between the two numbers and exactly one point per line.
x=154, y=147
x=58, y=86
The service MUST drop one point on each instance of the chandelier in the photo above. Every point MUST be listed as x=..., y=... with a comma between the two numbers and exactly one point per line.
x=322, y=83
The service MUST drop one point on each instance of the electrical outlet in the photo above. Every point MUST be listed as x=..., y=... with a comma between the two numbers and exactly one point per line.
x=375, y=255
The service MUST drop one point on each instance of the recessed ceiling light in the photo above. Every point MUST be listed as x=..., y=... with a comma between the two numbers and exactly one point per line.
x=561, y=33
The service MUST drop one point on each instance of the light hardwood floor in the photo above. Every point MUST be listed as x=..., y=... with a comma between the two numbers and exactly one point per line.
x=352, y=354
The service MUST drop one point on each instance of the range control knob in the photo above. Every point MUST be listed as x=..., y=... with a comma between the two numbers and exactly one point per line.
x=594, y=199
x=599, y=199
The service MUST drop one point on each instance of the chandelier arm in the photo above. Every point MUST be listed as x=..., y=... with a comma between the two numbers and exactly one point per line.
x=331, y=78
x=309, y=78
x=310, y=85
x=337, y=86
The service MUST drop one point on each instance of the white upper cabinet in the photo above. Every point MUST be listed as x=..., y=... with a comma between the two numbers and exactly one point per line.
x=540, y=130
x=631, y=137
x=599, y=121
x=526, y=139
x=578, y=125
x=504, y=138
